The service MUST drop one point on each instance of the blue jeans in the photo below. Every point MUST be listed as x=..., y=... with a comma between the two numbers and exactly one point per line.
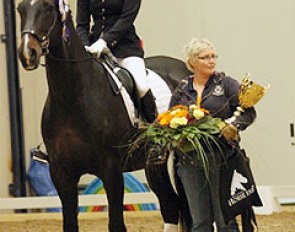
x=203, y=195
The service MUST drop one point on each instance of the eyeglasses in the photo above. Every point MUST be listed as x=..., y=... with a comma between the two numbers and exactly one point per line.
x=207, y=58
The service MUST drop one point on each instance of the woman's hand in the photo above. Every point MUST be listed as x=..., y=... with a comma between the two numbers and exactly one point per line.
x=230, y=133
x=98, y=47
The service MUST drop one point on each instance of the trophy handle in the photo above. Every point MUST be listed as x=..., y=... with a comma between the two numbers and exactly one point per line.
x=237, y=113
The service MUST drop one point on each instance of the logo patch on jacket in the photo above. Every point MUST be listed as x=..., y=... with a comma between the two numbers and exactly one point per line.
x=218, y=90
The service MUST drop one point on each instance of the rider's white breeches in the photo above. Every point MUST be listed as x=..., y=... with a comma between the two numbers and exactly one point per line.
x=136, y=66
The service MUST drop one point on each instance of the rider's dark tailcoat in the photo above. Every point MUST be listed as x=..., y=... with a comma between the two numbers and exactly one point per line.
x=112, y=21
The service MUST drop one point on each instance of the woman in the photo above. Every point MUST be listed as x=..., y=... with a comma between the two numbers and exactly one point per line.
x=218, y=94
x=113, y=30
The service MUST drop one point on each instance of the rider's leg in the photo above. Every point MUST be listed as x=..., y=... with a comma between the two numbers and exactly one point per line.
x=136, y=66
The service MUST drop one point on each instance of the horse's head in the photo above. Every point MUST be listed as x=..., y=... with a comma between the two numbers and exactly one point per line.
x=38, y=18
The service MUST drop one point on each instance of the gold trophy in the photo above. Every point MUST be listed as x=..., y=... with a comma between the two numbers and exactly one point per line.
x=249, y=94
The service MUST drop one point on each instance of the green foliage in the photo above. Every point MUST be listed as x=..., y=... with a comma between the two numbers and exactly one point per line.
x=184, y=139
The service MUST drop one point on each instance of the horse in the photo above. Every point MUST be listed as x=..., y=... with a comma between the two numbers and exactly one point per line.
x=80, y=130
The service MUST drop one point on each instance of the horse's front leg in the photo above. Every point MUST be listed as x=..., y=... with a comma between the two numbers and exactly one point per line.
x=114, y=186
x=66, y=186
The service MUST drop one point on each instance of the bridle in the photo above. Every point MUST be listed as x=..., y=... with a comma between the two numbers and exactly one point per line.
x=44, y=41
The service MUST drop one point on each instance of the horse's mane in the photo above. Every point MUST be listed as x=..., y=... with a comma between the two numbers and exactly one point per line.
x=65, y=15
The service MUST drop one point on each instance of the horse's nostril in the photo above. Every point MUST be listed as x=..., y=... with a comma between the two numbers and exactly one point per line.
x=33, y=54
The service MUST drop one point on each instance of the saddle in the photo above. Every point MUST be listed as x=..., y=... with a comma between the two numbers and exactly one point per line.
x=144, y=106
x=124, y=76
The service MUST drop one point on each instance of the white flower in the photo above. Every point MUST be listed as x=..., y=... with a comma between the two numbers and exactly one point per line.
x=198, y=114
x=176, y=122
x=193, y=107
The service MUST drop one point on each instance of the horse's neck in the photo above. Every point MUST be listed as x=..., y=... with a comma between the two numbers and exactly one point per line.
x=67, y=68
x=68, y=50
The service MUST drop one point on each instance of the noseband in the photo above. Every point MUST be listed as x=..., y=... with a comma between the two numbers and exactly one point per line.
x=44, y=41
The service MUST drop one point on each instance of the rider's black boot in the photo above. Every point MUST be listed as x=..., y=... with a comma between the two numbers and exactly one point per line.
x=148, y=107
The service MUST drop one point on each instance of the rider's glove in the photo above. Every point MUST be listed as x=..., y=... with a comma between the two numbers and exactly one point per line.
x=98, y=47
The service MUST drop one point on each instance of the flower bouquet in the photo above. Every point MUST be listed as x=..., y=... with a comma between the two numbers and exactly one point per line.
x=183, y=129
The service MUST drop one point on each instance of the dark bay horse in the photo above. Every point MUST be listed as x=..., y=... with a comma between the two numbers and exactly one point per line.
x=83, y=121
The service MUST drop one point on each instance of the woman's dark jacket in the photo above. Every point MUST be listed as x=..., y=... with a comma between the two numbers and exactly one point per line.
x=220, y=97
x=113, y=22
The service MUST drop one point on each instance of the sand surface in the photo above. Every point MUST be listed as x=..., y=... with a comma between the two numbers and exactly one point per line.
x=143, y=221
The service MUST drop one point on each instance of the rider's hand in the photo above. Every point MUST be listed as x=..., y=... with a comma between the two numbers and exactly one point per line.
x=230, y=133
x=97, y=48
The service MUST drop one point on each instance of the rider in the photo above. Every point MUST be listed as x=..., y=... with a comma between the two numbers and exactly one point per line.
x=113, y=30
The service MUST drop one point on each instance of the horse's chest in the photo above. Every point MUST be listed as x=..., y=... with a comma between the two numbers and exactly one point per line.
x=68, y=141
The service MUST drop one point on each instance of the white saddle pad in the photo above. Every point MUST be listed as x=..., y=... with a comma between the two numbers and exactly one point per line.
x=160, y=90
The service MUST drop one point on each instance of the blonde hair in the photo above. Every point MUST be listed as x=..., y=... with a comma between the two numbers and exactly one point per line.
x=194, y=47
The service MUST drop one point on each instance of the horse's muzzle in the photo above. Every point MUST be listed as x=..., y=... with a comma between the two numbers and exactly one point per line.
x=29, y=52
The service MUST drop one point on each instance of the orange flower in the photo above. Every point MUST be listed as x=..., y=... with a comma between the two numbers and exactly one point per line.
x=164, y=118
x=204, y=110
x=180, y=113
x=163, y=115
x=179, y=107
